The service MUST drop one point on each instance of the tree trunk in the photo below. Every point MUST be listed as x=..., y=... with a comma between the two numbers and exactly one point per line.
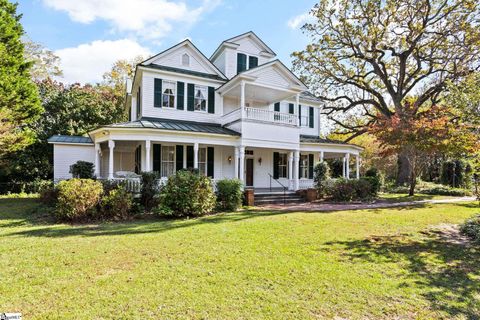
x=413, y=183
x=404, y=170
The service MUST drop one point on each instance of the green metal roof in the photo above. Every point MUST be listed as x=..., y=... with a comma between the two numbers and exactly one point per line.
x=176, y=125
x=306, y=95
x=317, y=139
x=184, y=71
x=69, y=139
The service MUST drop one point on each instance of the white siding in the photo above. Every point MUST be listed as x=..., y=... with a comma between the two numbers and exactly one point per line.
x=65, y=155
x=220, y=62
x=174, y=59
x=230, y=63
x=148, y=110
x=272, y=77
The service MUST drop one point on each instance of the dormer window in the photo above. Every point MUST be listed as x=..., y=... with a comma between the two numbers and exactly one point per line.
x=243, y=59
x=185, y=60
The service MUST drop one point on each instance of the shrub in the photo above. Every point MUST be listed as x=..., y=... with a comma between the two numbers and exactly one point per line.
x=149, y=190
x=431, y=189
x=82, y=170
x=229, y=194
x=344, y=191
x=78, y=198
x=375, y=179
x=49, y=194
x=471, y=228
x=321, y=173
x=188, y=194
x=117, y=204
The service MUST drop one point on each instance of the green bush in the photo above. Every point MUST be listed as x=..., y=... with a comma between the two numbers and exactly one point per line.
x=229, y=194
x=352, y=190
x=82, y=170
x=321, y=173
x=187, y=194
x=431, y=188
x=49, y=194
x=375, y=179
x=149, y=190
x=117, y=204
x=471, y=228
x=78, y=199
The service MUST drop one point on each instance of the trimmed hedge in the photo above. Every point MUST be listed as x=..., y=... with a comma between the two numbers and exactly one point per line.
x=471, y=228
x=229, y=194
x=116, y=204
x=78, y=199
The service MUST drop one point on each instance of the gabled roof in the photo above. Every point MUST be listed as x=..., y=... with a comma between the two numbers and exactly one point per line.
x=188, y=43
x=277, y=63
x=317, y=139
x=184, y=71
x=233, y=40
x=175, y=125
x=69, y=139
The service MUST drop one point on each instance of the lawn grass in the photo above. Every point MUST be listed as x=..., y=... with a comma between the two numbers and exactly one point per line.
x=364, y=264
x=404, y=197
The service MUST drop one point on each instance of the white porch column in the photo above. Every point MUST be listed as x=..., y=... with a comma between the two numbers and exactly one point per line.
x=148, y=144
x=296, y=169
x=235, y=162
x=290, y=171
x=242, y=163
x=97, y=160
x=343, y=167
x=347, y=165
x=297, y=104
x=357, y=162
x=111, y=146
x=322, y=155
x=242, y=98
x=195, y=156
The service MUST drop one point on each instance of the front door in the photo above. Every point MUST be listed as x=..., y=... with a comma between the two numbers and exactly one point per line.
x=249, y=173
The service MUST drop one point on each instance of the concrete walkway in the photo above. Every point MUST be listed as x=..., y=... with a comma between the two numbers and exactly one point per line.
x=328, y=206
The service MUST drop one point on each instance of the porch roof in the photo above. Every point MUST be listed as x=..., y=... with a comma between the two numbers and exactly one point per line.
x=317, y=139
x=175, y=125
x=69, y=139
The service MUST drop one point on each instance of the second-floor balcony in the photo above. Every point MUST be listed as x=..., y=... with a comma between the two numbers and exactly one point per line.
x=265, y=115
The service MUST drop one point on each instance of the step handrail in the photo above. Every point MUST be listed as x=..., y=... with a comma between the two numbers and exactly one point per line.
x=284, y=188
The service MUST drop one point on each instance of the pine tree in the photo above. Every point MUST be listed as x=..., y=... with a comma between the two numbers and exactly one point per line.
x=19, y=99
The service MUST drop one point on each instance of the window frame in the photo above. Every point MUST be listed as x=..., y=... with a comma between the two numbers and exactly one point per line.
x=282, y=167
x=202, y=163
x=304, y=165
x=195, y=98
x=165, y=151
x=173, y=95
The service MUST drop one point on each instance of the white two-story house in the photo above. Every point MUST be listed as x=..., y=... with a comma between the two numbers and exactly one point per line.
x=239, y=114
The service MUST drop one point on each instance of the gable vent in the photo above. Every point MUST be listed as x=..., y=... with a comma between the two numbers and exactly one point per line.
x=185, y=60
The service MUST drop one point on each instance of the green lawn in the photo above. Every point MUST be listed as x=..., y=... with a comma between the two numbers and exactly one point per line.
x=369, y=264
x=404, y=197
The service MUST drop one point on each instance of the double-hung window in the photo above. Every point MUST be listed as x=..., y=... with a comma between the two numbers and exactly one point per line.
x=168, y=94
x=304, y=166
x=202, y=161
x=168, y=161
x=200, y=98
x=282, y=165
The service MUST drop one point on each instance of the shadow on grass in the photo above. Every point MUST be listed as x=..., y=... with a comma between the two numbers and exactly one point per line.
x=447, y=272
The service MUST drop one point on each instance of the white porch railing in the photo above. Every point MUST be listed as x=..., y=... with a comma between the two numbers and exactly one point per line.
x=134, y=185
x=271, y=116
x=305, y=183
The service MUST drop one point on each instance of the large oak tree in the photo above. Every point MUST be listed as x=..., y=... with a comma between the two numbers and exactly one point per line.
x=388, y=59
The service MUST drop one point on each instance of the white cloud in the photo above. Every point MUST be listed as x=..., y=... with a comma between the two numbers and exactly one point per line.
x=89, y=61
x=150, y=19
x=298, y=21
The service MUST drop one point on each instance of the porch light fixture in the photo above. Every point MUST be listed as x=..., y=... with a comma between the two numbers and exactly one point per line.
x=260, y=161
x=229, y=159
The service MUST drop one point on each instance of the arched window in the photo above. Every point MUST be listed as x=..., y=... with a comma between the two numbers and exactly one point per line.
x=185, y=60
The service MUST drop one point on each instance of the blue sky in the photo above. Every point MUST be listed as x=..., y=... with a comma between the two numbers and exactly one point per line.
x=89, y=35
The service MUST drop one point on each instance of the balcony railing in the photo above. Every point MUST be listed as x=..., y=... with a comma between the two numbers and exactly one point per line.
x=271, y=116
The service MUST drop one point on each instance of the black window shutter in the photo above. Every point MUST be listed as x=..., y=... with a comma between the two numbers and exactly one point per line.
x=276, y=106
x=310, y=117
x=252, y=62
x=310, y=166
x=189, y=157
x=291, y=109
x=139, y=102
x=210, y=161
x=190, y=97
x=211, y=100
x=300, y=114
x=276, y=159
x=179, y=159
x=241, y=62
x=157, y=93
x=180, y=95
x=157, y=157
